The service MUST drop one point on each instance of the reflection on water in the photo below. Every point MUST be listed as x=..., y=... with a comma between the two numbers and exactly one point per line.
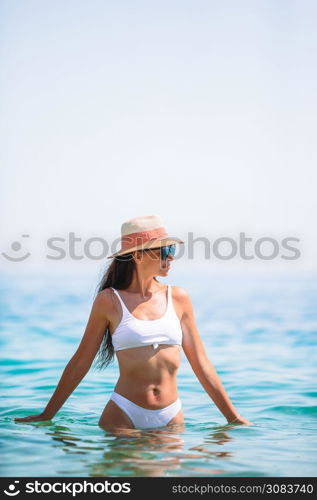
x=141, y=452
x=153, y=452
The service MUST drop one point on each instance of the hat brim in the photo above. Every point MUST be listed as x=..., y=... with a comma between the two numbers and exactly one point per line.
x=159, y=242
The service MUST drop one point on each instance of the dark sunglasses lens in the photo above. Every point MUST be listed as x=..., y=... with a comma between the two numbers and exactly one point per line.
x=172, y=249
x=169, y=249
x=164, y=252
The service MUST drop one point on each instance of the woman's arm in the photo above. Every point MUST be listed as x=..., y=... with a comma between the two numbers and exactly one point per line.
x=81, y=361
x=197, y=357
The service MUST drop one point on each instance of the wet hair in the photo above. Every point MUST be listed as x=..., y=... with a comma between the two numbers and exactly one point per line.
x=118, y=275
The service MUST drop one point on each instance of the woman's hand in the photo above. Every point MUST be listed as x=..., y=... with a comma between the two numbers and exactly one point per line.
x=33, y=418
x=240, y=420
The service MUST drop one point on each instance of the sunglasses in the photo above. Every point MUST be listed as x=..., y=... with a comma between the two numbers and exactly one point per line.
x=165, y=251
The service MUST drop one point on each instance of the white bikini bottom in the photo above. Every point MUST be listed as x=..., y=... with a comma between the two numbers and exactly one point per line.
x=142, y=418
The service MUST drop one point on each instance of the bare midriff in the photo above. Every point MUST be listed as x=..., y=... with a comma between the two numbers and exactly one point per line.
x=148, y=376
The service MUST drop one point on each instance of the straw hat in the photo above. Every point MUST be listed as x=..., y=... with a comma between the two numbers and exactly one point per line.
x=147, y=231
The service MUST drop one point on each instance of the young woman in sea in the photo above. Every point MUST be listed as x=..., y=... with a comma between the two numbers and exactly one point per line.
x=146, y=324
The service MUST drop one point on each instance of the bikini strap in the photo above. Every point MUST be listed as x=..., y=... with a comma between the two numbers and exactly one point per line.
x=170, y=307
x=169, y=297
x=125, y=310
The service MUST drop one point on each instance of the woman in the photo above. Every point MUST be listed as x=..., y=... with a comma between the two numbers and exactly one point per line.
x=145, y=323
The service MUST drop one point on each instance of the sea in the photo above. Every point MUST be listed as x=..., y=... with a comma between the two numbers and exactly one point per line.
x=260, y=333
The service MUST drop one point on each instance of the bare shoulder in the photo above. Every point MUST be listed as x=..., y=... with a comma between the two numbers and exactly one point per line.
x=105, y=303
x=181, y=300
x=179, y=293
x=107, y=293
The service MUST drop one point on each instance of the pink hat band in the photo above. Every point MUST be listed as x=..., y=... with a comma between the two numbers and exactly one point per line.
x=140, y=233
x=142, y=237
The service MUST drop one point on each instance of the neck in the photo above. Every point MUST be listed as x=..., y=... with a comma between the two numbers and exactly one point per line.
x=142, y=284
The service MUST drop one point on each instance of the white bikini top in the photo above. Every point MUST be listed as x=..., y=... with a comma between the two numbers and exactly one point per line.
x=134, y=332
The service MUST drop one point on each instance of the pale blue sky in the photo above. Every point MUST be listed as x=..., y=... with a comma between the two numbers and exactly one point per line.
x=200, y=111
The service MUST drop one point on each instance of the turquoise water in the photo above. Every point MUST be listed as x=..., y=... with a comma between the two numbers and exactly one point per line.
x=260, y=334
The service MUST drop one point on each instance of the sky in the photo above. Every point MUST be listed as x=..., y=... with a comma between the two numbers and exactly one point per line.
x=201, y=112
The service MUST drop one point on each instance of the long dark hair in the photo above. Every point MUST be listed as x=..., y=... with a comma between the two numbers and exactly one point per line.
x=118, y=275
